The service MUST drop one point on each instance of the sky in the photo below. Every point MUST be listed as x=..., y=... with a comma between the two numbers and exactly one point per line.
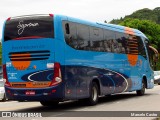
x=91, y=10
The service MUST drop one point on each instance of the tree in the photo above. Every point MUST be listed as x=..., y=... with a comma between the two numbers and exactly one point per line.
x=142, y=14
x=157, y=12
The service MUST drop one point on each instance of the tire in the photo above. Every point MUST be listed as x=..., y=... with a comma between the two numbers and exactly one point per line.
x=94, y=92
x=21, y=100
x=142, y=91
x=49, y=103
x=158, y=83
x=109, y=95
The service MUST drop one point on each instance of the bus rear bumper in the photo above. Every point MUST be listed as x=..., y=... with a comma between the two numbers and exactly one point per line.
x=35, y=94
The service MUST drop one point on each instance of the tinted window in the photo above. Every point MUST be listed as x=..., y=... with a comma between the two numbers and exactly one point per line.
x=109, y=37
x=96, y=38
x=71, y=37
x=38, y=26
x=89, y=38
x=78, y=35
x=132, y=44
x=150, y=55
x=121, y=38
x=141, y=48
x=83, y=42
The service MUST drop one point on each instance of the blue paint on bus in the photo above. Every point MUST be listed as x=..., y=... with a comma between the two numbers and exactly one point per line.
x=78, y=65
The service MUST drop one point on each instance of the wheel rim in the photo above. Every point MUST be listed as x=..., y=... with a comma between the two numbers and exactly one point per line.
x=94, y=94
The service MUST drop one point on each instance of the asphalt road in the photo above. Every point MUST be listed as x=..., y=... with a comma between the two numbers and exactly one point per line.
x=120, y=102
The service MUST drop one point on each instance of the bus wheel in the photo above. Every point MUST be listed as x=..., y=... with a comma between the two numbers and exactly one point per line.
x=49, y=103
x=94, y=92
x=142, y=91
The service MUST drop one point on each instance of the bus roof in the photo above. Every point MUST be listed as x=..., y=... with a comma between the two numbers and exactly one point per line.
x=114, y=27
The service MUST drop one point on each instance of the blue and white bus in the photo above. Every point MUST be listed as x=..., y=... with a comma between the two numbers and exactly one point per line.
x=55, y=58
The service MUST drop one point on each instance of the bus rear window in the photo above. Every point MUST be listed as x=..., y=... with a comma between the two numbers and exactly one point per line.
x=29, y=27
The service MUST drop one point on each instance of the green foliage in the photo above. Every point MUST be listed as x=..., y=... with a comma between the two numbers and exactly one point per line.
x=143, y=14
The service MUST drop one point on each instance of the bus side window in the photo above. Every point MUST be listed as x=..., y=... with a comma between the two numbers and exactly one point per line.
x=67, y=28
x=150, y=54
x=141, y=48
x=109, y=37
x=83, y=42
x=70, y=33
x=96, y=39
x=121, y=38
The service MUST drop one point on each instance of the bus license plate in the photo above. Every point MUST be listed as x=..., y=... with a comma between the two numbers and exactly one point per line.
x=30, y=92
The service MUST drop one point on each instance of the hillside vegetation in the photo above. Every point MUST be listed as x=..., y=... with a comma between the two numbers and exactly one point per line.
x=143, y=14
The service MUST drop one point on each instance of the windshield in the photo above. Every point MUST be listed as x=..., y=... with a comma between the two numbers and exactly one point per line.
x=29, y=27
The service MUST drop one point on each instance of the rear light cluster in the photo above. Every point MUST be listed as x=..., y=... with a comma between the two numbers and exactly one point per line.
x=51, y=15
x=57, y=78
x=8, y=19
x=5, y=78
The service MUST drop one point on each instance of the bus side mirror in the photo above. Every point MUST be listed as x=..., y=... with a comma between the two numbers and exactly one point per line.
x=67, y=28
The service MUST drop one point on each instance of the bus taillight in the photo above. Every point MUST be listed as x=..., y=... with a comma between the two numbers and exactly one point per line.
x=5, y=78
x=57, y=75
x=8, y=19
x=51, y=15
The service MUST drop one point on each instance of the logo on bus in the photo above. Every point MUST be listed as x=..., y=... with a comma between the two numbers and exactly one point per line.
x=22, y=26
